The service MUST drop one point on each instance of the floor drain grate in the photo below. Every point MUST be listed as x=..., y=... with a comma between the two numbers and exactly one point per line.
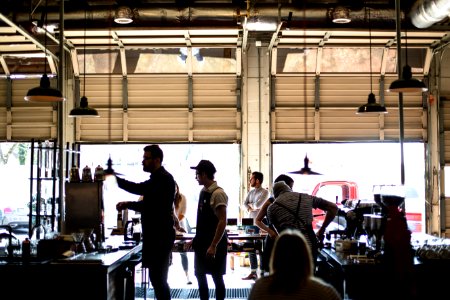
x=234, y=293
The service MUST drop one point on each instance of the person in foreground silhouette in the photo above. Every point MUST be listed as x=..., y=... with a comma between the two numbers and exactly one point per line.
x=291, y=273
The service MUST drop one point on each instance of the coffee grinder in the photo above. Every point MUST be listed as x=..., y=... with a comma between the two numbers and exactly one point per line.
x=393, y=225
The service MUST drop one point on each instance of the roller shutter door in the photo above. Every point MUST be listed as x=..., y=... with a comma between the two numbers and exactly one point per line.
x=26, y=120
x=3, y=109
x=159, y=110
x=332, y=117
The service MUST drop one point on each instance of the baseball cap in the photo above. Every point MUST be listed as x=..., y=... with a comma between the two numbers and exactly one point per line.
x=205, y=166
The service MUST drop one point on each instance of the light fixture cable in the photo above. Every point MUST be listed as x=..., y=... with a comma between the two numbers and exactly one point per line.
x=305, y=170
x=370, y=49
x=84, y=53
x=83, y=110
x=44, y=93
x=405, y=82
x=371, y=106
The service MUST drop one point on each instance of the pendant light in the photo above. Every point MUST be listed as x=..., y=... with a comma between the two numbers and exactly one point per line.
x=44, y=93
x=406, y=83
x=371, y=106
x=84, y=111
x=306, y=170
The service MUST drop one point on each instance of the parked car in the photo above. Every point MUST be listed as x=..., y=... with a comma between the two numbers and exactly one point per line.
x=17, y=219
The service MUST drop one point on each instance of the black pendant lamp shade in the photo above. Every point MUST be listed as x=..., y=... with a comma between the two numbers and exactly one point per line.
x=83, y=110
x=407, y=84
x=372, y=106
x=44, y=93
x=306, y=170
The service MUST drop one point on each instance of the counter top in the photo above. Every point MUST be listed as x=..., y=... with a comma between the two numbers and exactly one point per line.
x=112, y=254
x=100, y=275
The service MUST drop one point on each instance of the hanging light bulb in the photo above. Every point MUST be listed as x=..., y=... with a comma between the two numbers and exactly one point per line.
x=371, y=106
x=84, y=111
x=44, y=93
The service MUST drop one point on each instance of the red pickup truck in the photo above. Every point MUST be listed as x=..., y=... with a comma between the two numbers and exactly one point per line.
x=348, y=190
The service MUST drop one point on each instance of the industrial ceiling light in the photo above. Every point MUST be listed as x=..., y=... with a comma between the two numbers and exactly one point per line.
x=371, y=106
x=44, y=93
x=306, y=170
x=84, y=111
x=406, y=83
x=341, y=15
x=124, y=15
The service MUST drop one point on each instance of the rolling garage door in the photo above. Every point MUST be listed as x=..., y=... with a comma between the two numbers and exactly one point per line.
x=22, y=120
x=156, y=109
x=324, y=109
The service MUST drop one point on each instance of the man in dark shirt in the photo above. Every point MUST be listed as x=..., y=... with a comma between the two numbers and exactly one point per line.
x=156, y=210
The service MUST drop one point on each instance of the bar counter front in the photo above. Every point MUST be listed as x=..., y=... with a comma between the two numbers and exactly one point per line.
x=358, y=277
x=94, y=275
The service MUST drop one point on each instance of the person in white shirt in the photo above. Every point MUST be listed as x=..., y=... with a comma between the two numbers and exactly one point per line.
x=253, y=203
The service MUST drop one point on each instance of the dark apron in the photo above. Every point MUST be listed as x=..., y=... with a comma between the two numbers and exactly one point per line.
x=205, y=230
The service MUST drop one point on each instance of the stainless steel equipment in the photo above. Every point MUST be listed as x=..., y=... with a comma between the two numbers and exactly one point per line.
x=84, y=208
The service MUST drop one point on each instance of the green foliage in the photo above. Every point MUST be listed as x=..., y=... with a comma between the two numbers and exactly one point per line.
x=16, y=150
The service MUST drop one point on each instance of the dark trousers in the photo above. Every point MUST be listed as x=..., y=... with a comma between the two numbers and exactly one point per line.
x=203, y=286
x=157, y=261
x=268, y=245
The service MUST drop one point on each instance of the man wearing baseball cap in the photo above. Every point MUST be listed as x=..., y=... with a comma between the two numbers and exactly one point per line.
x=210, y=241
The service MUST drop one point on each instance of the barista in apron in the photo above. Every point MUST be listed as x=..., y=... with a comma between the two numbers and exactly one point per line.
x=205, y=231
x=210, y=241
